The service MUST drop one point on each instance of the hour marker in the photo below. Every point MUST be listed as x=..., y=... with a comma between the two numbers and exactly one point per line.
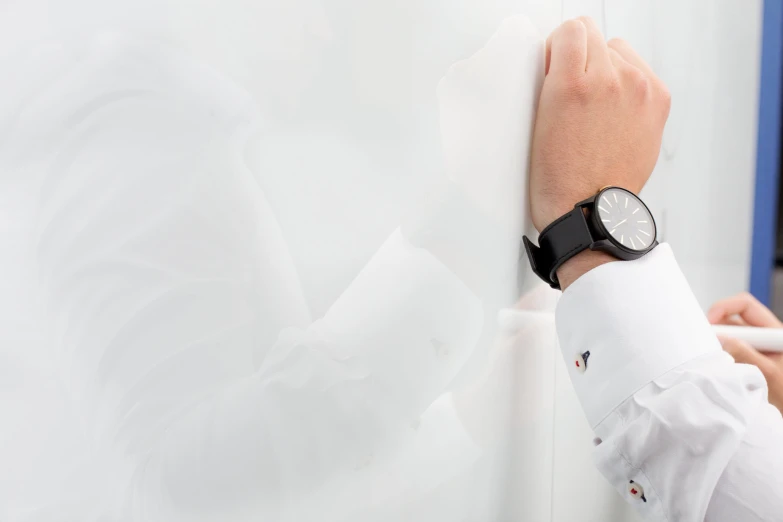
x=645, y=233
x=621, y=240
x=632, y=243
x=615, y=197
x=641, y=241
x=645, y=221
x=602, y=208
x=635, y=211
x=607, y=202
x=626, y=202
x=606, y=220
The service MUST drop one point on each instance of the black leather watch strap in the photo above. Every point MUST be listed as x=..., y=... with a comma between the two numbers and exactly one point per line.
x=559, y=242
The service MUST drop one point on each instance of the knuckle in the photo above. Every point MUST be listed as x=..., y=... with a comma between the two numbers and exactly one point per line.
x=642, y=87
x=613, y=85
x=746, y=296
x=572, y=33
x=616, y=43
x=666, y=98
x=573, y=30
x=638, y=81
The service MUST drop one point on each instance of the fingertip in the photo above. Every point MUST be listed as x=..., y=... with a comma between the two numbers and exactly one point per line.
x=590, y=24
x=715, y=314
x=572, y=30
x=567, y=48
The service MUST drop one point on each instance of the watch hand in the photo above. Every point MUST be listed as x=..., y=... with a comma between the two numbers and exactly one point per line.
x=618, y=224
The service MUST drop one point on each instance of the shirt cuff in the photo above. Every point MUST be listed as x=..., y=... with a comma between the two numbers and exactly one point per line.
x=638, y=320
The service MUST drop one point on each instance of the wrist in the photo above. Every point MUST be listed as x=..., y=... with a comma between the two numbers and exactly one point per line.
x=555, y=212
x=580, y=264
x=613, y=224
x=552, y=209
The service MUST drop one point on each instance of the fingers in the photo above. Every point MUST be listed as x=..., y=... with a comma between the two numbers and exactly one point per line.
x=747, y=307
x=567, y=49
x=744, y=353
x=616, y=59
x=638, y=71
x=624, y=49
x=597, y=50
x=578, y=46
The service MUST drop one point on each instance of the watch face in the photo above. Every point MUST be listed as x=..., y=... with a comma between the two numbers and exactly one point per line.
x=626, y=219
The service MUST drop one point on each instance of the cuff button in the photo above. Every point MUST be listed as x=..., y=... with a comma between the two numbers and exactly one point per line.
x=580, y=362
x=636, y=491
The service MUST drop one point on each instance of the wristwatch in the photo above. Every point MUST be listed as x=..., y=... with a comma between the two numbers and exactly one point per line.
x=615, y=221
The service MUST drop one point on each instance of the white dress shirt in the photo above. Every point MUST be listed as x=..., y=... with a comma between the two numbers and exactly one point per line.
x=683, y=433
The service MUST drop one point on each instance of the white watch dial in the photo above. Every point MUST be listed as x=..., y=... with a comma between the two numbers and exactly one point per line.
x=626, y=219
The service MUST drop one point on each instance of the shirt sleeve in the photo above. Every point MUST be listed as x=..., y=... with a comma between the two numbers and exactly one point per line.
x=682, y=432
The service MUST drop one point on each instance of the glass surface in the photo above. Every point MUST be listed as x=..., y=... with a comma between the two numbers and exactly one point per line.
x=626, y=219
x=236, y=288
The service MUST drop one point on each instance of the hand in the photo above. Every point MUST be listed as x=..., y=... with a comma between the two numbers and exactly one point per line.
x=746, y=310
x=600, y=122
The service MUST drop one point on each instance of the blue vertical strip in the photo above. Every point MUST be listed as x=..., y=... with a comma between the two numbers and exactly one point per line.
x=767, y=153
